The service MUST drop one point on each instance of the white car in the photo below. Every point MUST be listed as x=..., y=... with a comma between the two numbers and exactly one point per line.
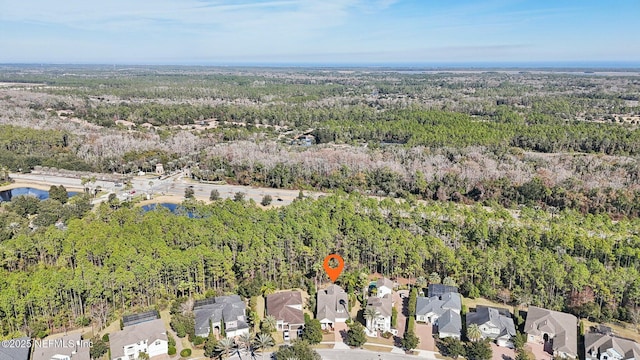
x=286, y=336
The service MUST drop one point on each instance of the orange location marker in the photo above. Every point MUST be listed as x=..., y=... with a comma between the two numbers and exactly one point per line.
x=334, y=272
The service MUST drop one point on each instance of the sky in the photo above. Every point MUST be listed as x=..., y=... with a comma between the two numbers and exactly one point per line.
x=318, y=31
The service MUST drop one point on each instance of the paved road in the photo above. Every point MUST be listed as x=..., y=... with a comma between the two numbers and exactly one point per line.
x=173, y=186
x=352, y=354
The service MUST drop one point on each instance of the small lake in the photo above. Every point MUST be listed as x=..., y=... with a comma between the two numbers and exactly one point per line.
x=7, y=195
x=171, y=207
x=174, y=208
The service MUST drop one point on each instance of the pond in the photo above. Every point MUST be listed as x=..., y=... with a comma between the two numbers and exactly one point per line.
x=174, y=208
x=7, y=195
x=171, y=207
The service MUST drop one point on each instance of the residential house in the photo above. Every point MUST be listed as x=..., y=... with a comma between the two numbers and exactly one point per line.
x=382, y=306
x=439, y=290
x=286, y=307
x=384, y=287
x=443, y=312
x=149, y=337
x=430, y=309
x=69, y=347
x=333, y=306
x=214, y=314
x=494, y=323
x=608, y=347
x=555, y=328
x=16, y=349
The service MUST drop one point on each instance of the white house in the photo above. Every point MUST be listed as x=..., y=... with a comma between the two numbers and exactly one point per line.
x=382, y=306
x=384, y=287
x=148, y=337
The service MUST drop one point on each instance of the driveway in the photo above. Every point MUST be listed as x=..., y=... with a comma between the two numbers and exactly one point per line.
x=340, y=332
x=400, y=302
x=502, y=353
x=425, y=333
x=538, y=351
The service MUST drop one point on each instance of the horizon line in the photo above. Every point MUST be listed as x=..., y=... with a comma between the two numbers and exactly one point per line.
x=551, y=64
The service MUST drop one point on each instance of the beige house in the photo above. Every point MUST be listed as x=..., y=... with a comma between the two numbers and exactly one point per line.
x=558, y=329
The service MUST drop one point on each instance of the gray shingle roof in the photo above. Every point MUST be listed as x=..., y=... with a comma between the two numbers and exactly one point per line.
x=384, y=282
x=383, y=305
x=329, y=301
x=493, y=318
x=18, y=351
x=66, y=345
x=450, y=322
x=150, y=331
x=439, y=304
x=226, y=308
x=598, y=343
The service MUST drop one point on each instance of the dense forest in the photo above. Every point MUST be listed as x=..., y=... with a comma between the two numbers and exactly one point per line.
x=522, y=186
x=113, y=260
x=549, y=139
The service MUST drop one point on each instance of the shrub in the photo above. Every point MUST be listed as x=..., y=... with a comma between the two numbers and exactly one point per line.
x=387, y=335
x=198, y=340
x=266, y=200
x=185, y=352
x=172, y=350
x=214, y=195
x=105, y=337
x=239, y=196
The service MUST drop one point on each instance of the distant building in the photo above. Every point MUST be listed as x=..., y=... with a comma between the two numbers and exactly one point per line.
x=159, y=169
x=229, y=310
x=149, y=337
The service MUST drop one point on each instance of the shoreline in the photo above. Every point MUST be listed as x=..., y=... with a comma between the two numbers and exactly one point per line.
x=35, y=185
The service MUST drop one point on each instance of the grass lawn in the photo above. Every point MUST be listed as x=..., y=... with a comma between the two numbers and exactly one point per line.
x=380, y=340
x=376, y=348
x=113, y=327
x=328, y=337
x=624, y=330
x=472, y=303
x=260, y=310
x=323, y=346
x=166, y=319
